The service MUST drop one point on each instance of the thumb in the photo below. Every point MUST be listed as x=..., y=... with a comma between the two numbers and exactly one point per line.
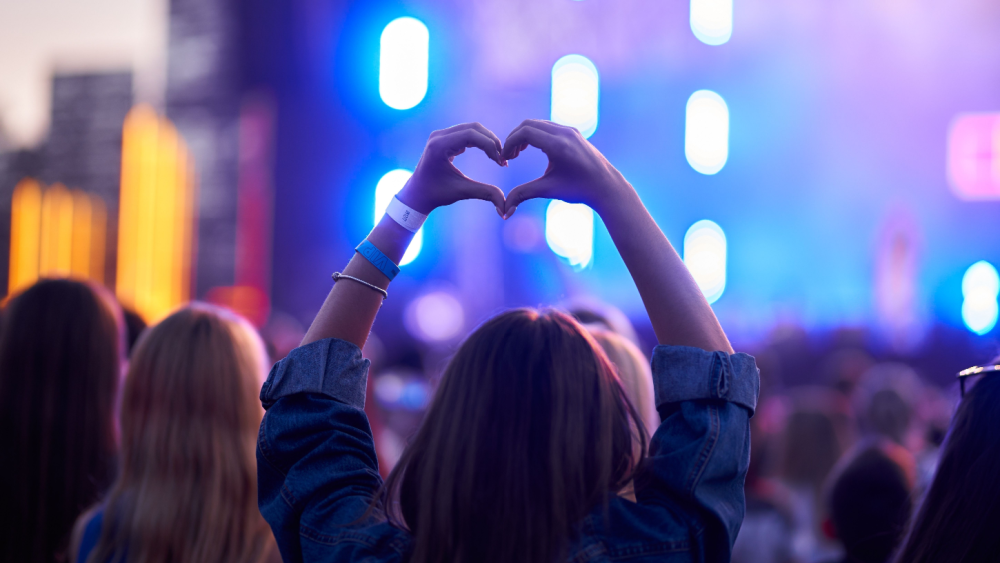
x=530, y=190
x=486, y=192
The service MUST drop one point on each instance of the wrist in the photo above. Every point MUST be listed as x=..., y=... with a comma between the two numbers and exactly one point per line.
x=411, y=196
x=390, y=238
x=618, y=197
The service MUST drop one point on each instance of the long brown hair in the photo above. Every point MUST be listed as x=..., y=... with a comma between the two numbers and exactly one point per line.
x=957, y=520
x=528, y=432
x=187, y=488
x=60, y=364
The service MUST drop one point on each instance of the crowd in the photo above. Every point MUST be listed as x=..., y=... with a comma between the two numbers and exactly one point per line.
x=551, y=436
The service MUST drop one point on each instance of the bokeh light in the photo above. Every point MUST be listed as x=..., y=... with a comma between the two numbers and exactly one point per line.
x=974, y=156
x=435, y=317
x=712, y=20
x=575, y=93
x=569, y=231
x=706, y=132
x=980, y=287
x=388, y=186
x=402, y=69
x=705, y=257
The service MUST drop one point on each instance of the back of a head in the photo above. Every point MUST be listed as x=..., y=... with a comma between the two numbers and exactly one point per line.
x=187, y=484
x=885, y=400
x=60, y=364
x=869, y=500
x=529, y=430
x=958, y=517
x=812, y=441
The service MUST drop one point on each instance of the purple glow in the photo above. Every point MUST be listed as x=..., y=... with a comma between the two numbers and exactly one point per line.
x=974, y=156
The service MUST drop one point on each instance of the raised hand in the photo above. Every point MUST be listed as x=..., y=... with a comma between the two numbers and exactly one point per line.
x=436, y=182
x=577, y=172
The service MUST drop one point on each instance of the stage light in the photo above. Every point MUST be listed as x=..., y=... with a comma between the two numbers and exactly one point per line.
x=157, y=225
x=575, y=91
x=705, y=258
x=435, y=317
x=387, y=187
x=569, y=231
x=402, y=68
x=980, y=287
x=974, y=156
x=706, y=132
x=712, y=20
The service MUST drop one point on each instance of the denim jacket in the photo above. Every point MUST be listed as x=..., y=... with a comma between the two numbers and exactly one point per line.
x=317, y=469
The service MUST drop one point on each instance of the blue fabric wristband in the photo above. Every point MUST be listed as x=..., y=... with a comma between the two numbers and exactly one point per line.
x=379, y=260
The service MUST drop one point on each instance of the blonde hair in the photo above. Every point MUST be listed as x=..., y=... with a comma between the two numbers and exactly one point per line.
x=633, y=372
x=187, y=487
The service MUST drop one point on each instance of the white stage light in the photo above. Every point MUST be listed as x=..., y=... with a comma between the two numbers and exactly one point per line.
x=705, y=257
x=980, y=287
x=569, y=231
x=387, y=187
x=402, y=69
x=712, y=20
x=706, y=132
x=575, y=91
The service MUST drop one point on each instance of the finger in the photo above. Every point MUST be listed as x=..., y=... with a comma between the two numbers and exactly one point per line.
x=486, y=192
x=461, y=139
x=548, y=126
x=482, y=129
x=529, y=135
x=530, y=190
x=474, y=125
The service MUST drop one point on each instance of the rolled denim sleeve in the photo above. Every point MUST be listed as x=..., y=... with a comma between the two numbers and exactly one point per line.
x=330, y=367
x=698, y=457
x=316, y=466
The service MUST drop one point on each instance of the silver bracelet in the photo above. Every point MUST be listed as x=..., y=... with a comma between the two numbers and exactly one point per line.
x=337, y=276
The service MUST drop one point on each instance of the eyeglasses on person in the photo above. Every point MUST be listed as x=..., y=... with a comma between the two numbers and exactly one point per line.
x=974, y=372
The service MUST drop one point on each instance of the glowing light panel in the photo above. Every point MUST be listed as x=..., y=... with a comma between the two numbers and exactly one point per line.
x=402, y=68
x=569, y=231
x=575, y=91
x=55, y=233
x=974, y=156
x=980, y=287
x=387, y=187
x=712, y=20
x=705, y=258
x=157, y=216
x=706, y=132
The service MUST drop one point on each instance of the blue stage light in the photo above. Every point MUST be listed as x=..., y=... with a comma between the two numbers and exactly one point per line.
x=402, y=70
x=387, y=187
x=712, y=20
x=706, y=132
x=980, y=287
x=575, y=92
x=705, y=258
x=569, y=231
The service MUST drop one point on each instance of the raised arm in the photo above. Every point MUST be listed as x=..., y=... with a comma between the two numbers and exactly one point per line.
x=316, y=465
x=579, y=173
x=350, y=308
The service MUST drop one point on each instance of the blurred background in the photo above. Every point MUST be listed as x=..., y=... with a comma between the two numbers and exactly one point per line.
x=829, y=170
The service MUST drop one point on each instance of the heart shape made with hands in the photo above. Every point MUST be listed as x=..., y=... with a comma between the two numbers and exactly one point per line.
x=576, y=171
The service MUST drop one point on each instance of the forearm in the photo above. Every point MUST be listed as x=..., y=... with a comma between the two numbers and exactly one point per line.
x=676, y=306
x=350, y=308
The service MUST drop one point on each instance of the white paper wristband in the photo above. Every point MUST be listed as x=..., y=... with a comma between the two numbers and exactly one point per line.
x=409, y=218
